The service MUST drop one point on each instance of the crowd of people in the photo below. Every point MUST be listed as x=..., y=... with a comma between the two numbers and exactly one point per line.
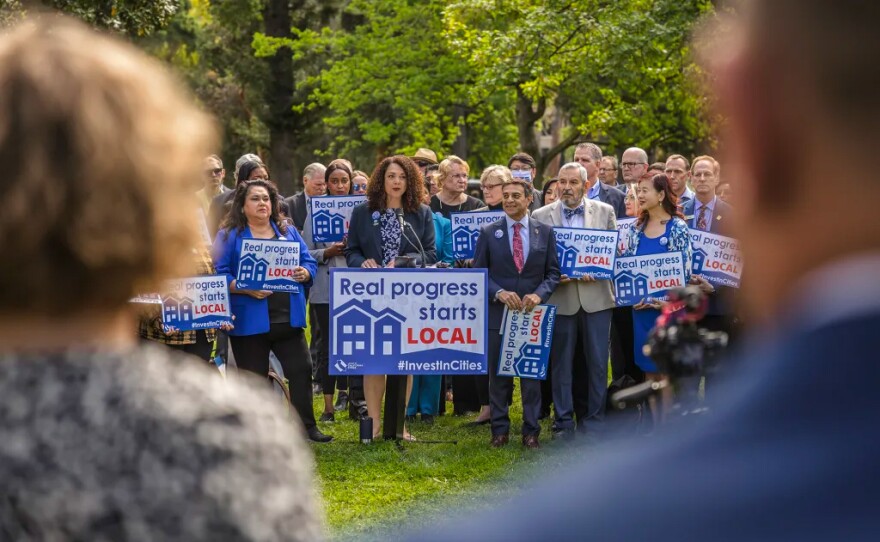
x=664, y=201
x=107, y=437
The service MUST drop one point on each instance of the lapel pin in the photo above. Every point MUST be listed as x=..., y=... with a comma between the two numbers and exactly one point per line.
x=499, y=234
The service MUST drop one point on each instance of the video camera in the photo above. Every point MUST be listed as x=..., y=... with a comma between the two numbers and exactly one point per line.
x=683, y=351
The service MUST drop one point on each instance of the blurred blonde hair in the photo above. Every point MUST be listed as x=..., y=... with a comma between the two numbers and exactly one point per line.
x=446, y=166
x=498, y=172
x=101, y=148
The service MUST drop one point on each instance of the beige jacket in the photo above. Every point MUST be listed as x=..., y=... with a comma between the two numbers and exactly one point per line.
x=574, y=295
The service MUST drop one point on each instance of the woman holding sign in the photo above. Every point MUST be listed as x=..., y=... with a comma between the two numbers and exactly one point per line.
x=268, y=321
x=338, y=178
x=660, y=228
x=392, y=222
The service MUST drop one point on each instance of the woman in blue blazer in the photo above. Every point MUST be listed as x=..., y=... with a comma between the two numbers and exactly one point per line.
x=375, y=239
x=268, y=321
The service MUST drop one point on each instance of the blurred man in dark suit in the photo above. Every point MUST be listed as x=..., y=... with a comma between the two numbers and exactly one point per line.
x=789, y=449
x=520, y=254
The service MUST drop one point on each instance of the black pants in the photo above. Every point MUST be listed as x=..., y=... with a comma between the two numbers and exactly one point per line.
x=313, y=344
x=322, y=371
x=201, y=348
x=289, y=345
x=622, y=348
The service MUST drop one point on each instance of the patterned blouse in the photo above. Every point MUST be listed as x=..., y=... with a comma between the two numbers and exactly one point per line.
x=679, y=241
x=391, y=234
x=145, y=445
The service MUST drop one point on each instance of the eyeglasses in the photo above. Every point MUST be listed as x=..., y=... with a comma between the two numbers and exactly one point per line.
x=490, y=186
x=213, y=172
x=359, y=186
x=626, y=165
x=604, y=169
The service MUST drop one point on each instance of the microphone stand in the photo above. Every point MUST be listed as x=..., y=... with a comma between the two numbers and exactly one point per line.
x=403, y=225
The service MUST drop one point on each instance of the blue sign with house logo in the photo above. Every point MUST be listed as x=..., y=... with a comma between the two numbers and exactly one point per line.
x=408, y=321
x=717, y=258
x=331, y=216
x=196, y=303
x=267, y=264
x=466, y=229
x=583, y=251
x=526, y=338
x=645, y=278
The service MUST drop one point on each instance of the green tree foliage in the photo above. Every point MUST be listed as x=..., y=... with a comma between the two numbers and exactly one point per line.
x=617, y=71
x=132, y=17
x=394, y=85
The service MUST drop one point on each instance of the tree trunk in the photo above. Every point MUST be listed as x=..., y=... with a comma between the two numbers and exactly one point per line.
x=526, y=117
x=279, y=97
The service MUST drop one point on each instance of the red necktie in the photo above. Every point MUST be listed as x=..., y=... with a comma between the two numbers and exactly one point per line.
x=517, y=248
x=701, y=220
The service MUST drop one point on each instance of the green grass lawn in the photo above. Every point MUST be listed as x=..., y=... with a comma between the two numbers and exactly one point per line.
x=366, y=488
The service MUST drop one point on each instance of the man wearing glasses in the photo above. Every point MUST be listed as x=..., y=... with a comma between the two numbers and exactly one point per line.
x=212, y=177
x=608, y=172
x=426, y=160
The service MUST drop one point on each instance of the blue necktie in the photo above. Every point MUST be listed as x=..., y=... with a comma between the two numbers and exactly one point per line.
x=579, y=210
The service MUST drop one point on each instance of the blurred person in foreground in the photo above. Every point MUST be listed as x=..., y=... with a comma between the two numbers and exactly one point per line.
x=104, y=438
x=788, y=451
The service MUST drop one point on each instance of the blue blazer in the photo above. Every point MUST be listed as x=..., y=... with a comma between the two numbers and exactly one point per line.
x=540, y=274
x=767, y=462
x=443, y=234
x=365, y=237
x=251, y=314
x=723, y=300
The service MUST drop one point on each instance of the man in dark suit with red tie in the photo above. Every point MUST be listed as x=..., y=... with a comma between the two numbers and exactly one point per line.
x=707, y=212
x=520, y=255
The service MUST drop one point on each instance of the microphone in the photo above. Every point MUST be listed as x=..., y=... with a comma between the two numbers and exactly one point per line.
x=403, y=226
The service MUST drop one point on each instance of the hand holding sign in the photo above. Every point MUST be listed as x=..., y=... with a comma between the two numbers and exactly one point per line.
x=511, y=299
x=530, y=301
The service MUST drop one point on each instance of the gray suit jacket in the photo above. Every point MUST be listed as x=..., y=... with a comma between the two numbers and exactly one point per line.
x=590, y=296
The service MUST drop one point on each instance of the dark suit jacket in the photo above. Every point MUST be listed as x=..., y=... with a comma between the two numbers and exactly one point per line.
x=613, y=197
x=220, y=206
x=365, y=237
x=765, y=463
x=298, y=209
x=540, y=274
x=722, y=301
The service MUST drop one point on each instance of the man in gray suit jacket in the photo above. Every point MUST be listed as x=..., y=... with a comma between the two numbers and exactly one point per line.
x=583, y=307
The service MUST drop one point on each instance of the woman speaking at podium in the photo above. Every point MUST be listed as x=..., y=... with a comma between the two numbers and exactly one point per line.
x=391, y=223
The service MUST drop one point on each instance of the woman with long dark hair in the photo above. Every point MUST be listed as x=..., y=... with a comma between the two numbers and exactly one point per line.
x=659, y=228
x=375, y=238
x=327, y=255
x=268, y=321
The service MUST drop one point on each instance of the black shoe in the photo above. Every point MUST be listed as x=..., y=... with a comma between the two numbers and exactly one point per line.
x=315, y=435
x=327, y=417
x=428, y=419
x=341, y=402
